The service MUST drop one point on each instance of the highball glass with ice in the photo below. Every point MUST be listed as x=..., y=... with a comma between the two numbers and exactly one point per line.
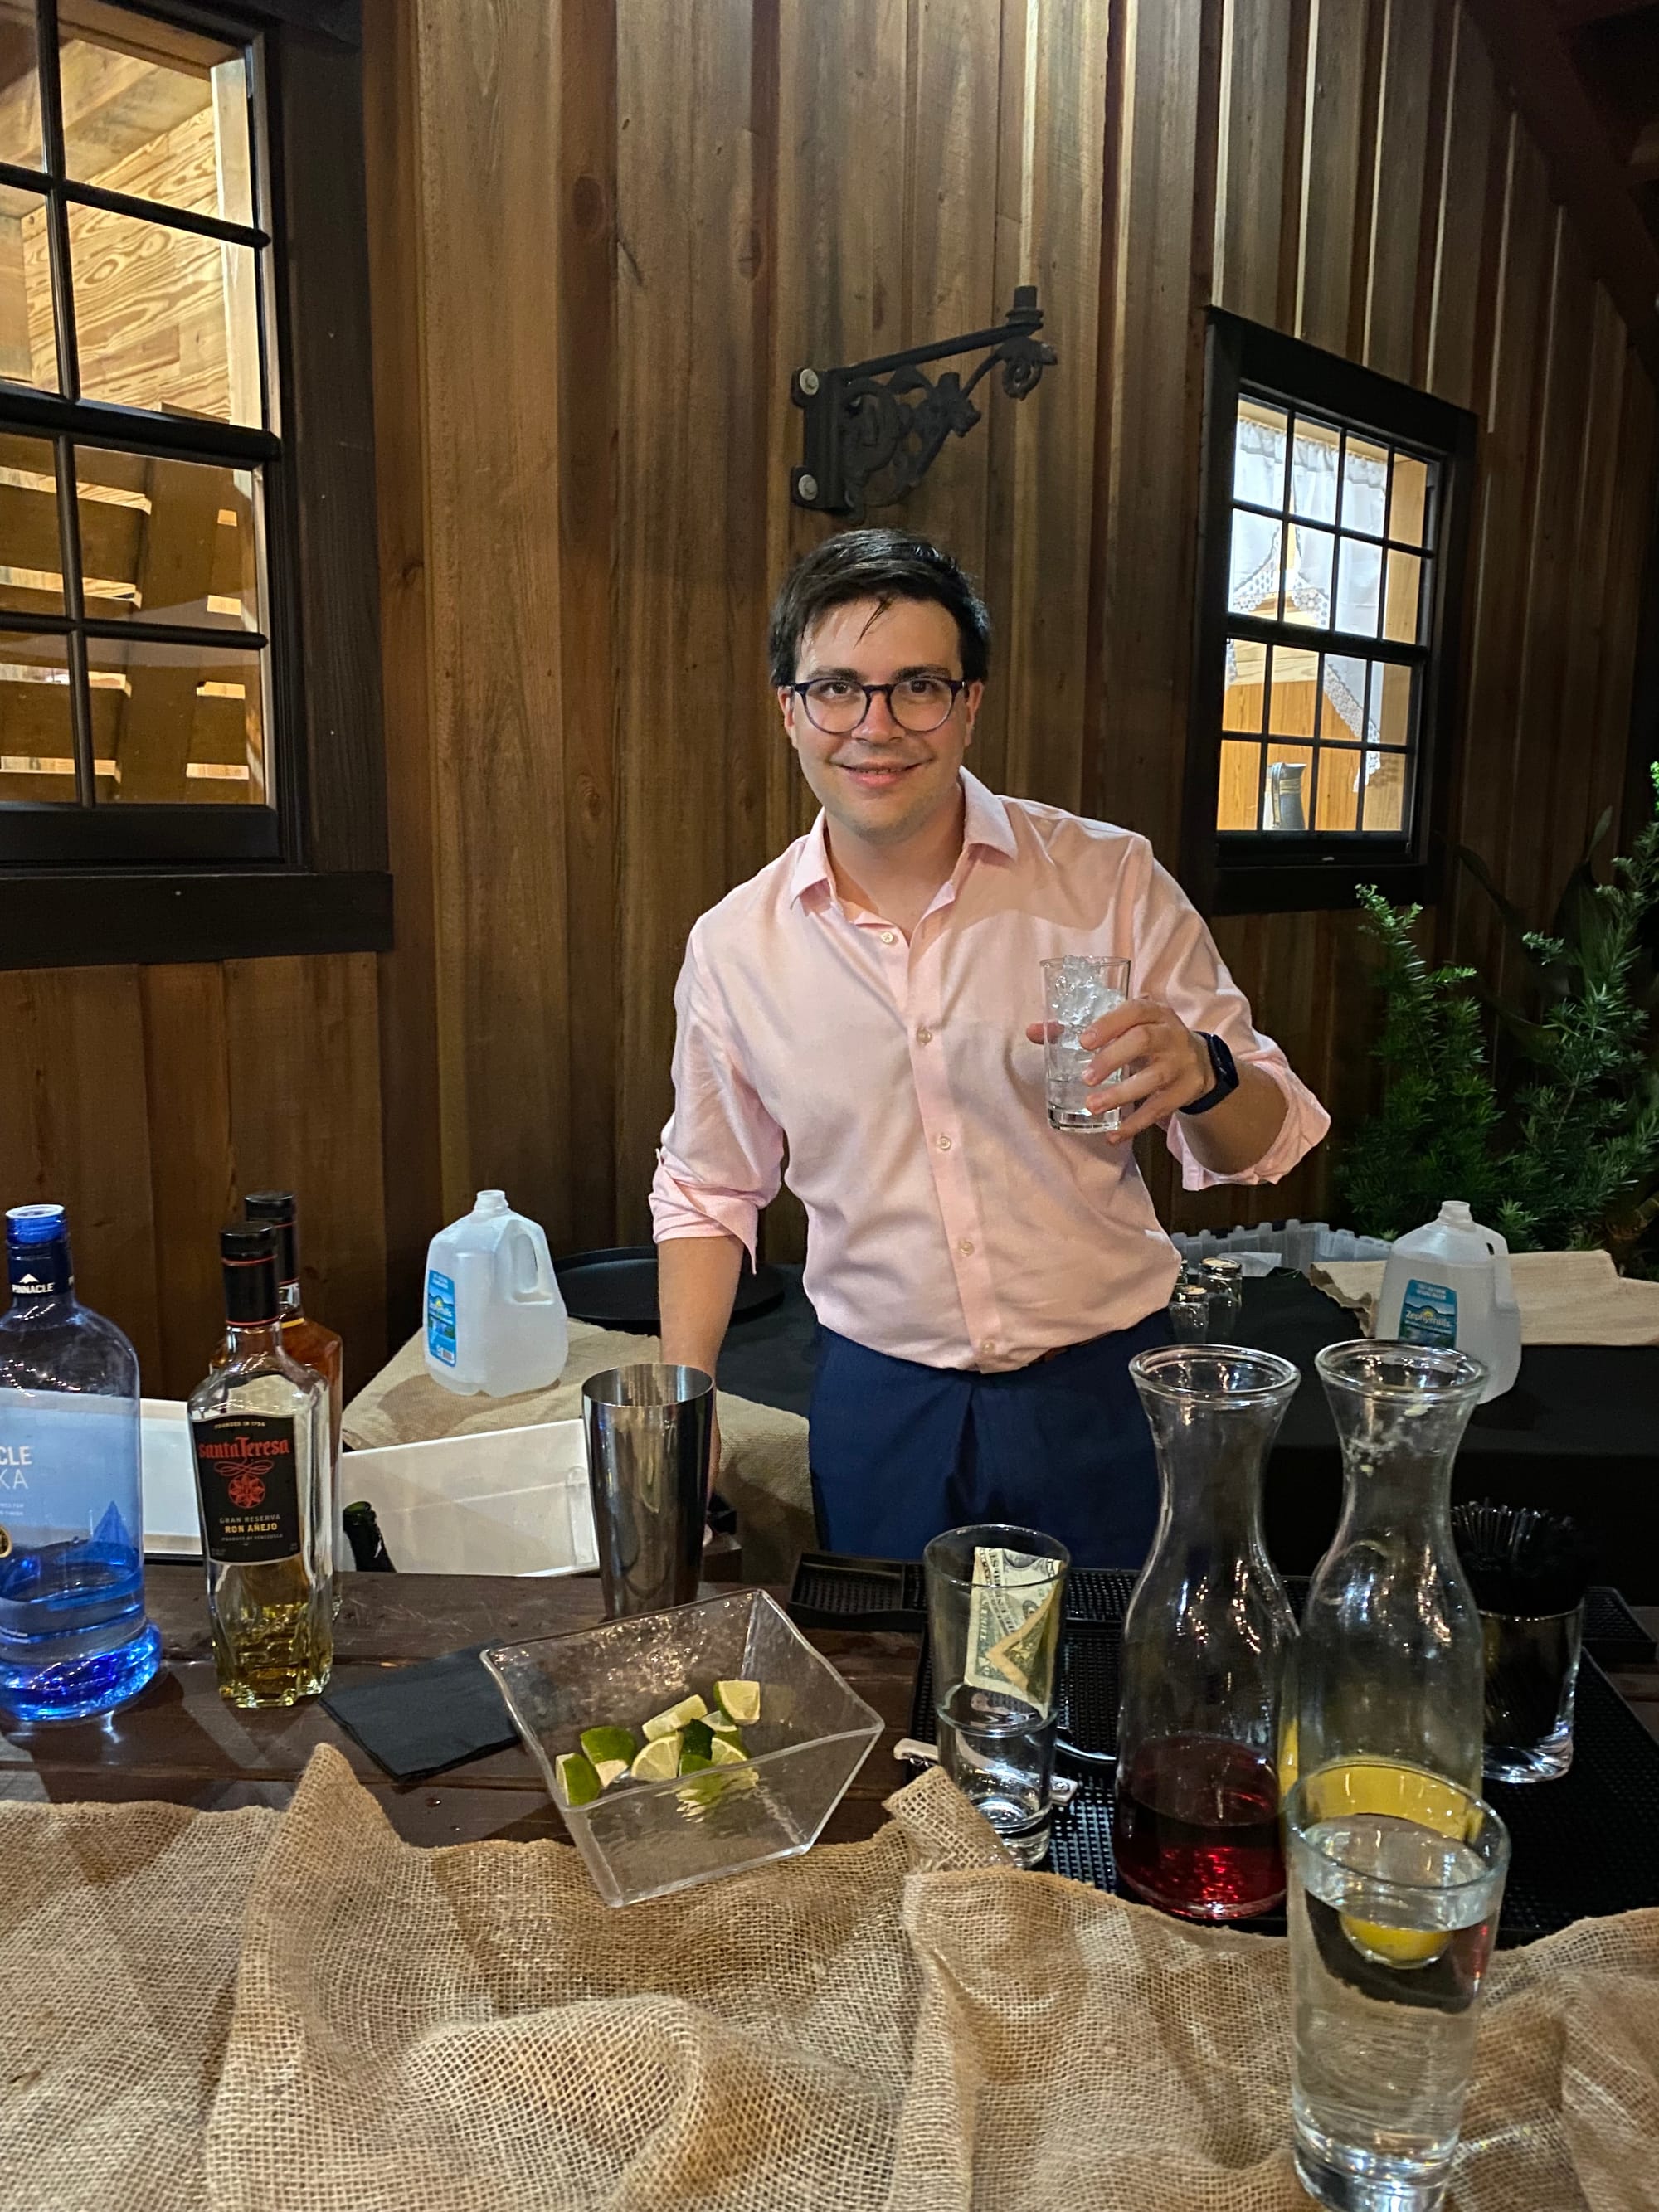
x=1077, y=989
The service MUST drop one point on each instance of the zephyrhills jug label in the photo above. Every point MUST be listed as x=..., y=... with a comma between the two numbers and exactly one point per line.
x=247, y=1476
x=1428, y=1315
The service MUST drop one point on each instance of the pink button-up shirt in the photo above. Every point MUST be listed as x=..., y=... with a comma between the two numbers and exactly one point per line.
x=947, y=1222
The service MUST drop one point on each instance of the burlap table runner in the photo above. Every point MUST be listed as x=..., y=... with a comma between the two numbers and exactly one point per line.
x=763, y=1471
x=1564, y=1298
x=244, y=2012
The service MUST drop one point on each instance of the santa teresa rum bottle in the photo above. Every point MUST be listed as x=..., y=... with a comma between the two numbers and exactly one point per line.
x=260, y=1430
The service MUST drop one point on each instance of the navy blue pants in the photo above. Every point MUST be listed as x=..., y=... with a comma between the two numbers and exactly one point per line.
x=901, y=1451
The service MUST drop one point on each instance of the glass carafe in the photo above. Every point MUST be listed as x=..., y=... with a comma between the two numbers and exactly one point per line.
x=1206, y=1640
x=1389, y=1665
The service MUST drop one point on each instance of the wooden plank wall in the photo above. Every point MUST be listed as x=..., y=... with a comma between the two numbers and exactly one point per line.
x=148, y=1100
x=606, y=231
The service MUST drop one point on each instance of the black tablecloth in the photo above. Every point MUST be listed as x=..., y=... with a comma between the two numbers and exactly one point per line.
x=1578, y=1433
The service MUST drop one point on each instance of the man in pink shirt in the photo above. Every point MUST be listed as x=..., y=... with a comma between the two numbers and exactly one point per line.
x=866, y=1001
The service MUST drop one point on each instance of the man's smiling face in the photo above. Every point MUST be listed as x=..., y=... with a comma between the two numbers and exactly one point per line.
x=881, y=782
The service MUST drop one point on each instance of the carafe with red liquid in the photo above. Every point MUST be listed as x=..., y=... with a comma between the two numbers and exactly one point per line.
x=1207, y=1640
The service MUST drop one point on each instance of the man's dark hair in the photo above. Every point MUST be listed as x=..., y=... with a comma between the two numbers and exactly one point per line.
x=883, y=565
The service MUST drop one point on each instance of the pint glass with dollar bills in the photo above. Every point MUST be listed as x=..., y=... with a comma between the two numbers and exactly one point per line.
x=995, y=1599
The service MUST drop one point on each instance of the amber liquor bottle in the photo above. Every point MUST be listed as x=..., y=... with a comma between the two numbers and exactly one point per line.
x=310, y=1343
x=259, y=1429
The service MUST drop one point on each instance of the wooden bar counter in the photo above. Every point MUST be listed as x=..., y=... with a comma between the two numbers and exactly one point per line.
x=181, y=1742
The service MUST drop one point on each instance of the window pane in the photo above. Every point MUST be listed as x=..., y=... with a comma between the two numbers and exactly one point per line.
x=1313, y=470
x=1252, y=565
x=1359, y=587
x=1405, y=597
x=1286, y=802
x=180, y=723
x=1307, y=576
x=1391, y=704
x=28, y=344
x=1295, y=693
x=1409, y=501
x=166, y=319
x=1342, y=707
x=20, y=88
x=170, y=541
x=1386, y=777
x=154, y=111
x=1337, y=801
x=1259, y=453
x=1241, y=778
x=37, y=725
x=1365, y=486
x=31, y=564
x=1242, y=702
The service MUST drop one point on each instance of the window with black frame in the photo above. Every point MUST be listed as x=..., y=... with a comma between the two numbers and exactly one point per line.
x=138, y=443
x=1334, y=530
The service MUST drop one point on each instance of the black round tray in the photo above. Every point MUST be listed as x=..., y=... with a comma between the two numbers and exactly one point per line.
x=618, y=1289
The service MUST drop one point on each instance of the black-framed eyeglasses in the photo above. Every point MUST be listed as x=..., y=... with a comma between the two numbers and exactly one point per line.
x=836, y=705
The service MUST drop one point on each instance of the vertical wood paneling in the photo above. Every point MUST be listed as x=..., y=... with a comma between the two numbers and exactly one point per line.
x=75, y=1130
x=1144, y=539
x=1401, y=178
x=193, y=1156
x=1051, y=237
x=695, y=722
x=312, y=1131
x=487, y=92
x=1464, y=242
x=1337, y=134
x=413, y=1118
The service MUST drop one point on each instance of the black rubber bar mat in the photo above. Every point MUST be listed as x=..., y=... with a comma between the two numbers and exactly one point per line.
x=1581, y=1846
x=833, y=1592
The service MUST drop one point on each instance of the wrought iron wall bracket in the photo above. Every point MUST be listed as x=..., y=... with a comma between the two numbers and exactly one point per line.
x=873, y=431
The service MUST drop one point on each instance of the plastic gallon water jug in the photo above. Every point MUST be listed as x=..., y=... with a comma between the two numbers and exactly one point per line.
x=1448, y=1285
x=495, y=1319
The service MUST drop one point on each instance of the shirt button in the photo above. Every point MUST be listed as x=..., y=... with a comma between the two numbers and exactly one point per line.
x=890, y=937
x=966, y=1247
x=924, y=1037
x=943, y=1143
x=988, y=1344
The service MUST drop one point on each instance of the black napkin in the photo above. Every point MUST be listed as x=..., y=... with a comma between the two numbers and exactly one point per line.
x=418, y=1720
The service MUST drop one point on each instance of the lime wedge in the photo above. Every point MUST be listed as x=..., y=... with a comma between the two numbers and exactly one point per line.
x=726, y=1731
x=739, y=1701
x=659, y=1761
x=698, y=1737
x=610, y=1771
x=723, y=1753
x=692, y=1761
x=676, y=1717
x=578, y=1783
x=603, y=1744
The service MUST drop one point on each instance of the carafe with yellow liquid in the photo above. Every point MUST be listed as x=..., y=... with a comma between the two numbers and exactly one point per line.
x=1389, y=1662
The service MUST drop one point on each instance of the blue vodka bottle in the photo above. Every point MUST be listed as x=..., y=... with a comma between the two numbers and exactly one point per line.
x=73, y=1636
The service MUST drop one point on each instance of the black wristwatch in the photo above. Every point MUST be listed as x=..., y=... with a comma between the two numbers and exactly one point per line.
x=1225, y=1073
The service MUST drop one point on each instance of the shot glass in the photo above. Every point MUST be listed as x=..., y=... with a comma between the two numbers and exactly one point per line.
x=1226, y=1280
x=1395, y=1882
x=996, y=1595
x=1077, y=989
x=1190, y=1311
x=1532, y=1673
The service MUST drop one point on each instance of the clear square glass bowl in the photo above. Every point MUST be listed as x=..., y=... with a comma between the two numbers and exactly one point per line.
x=644, y=1839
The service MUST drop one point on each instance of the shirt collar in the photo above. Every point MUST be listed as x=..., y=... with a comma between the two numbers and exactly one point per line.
x=986, y=828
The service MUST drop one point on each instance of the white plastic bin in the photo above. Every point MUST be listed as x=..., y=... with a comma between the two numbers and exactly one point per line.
x=514, y=1501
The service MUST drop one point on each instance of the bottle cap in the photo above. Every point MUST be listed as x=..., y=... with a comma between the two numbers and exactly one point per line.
x=247, y=1254
x=282, y=1209
x=491, y=1202
x=37, y=1251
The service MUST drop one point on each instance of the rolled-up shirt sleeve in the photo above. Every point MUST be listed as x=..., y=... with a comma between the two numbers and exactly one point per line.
x=1175, y=960
x=721, y=1155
